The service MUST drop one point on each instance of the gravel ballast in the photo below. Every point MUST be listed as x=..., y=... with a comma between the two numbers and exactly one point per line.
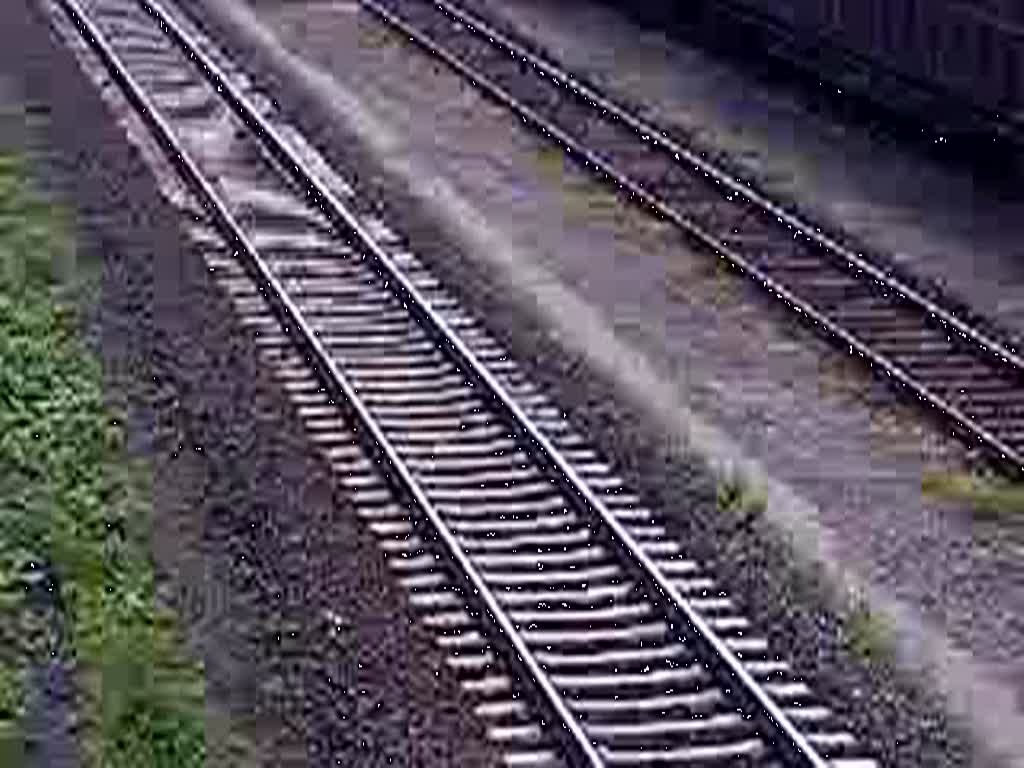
x=665, y=361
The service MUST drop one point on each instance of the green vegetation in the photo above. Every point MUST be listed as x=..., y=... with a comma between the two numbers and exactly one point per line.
x=583, y=199
x=71, y=502
x=551, y=162
x=725, y=285
x=867, y=634
x=736, y=495
x=987, y=495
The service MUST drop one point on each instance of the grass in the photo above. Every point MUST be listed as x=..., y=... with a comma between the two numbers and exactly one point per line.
x=726, y=285
x=551, y=162
x=73, y=504
x=988, y=496
x=867, y=634
x=583, y=198
x=736, y=495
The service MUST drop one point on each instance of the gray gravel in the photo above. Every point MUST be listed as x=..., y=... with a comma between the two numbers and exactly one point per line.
x=239, y=481
x=655, y=351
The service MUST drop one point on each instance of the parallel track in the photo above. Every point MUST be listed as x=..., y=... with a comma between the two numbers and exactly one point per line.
x=973, y=379
x=513, y=535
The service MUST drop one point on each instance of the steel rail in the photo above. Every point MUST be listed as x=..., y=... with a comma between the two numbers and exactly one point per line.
x=834, y=247
x=695, y=230
x=721, y=657
x=585, y=753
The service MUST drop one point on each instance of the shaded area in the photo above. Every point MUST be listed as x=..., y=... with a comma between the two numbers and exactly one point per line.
x=905, y=73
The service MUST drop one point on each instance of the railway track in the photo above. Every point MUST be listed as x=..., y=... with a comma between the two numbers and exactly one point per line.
x=961, y=370
x=584, y=634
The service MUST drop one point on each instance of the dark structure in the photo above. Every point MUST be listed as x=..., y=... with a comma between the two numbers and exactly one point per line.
x=957, y=64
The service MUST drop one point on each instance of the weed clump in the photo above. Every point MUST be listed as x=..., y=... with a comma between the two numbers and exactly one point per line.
x=987, y=494
x=735, y=495
x=867, y=634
